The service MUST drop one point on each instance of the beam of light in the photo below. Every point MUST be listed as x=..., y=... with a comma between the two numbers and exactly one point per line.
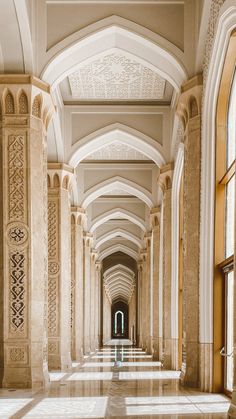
x=57, y=376
x=69, y=407
x=142, y=364
x=149, y=375
x=10, y=406
x=167, y=405
x=90, y=376
x=98, y=364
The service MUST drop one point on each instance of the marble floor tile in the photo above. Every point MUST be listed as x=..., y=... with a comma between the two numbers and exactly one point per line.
x=116, y=385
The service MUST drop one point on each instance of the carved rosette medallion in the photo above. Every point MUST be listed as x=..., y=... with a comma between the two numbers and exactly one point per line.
x=17, y=234
x=53, y=268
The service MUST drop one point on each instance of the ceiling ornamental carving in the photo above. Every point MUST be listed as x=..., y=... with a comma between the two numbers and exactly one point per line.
x=116, y=76
x=117, y=151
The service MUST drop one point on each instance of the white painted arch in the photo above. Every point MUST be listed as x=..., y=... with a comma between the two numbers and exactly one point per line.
x=113, y=133
x=118, y=232
x=119, y=248
x=118, y=267
x=119, y=213
x=226, y=24
x=117, y=182
x=177, y=176
x=111, y=33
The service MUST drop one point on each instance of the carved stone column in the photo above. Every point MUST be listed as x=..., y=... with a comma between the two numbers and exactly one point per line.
x=139, y=308
x=148, y=294
x=196, y=356
x=59, y=266
x=143, y=255
x=77, y=289
x=87, y=291
x=165, y=180
x=93, y=319
x=24, y=116
x=98, y=319
x=155, y=216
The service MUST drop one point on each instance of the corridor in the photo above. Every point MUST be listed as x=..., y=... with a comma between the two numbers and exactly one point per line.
x=117, y=381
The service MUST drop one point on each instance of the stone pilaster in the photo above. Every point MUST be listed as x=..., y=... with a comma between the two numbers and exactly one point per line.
x=98, y=267
x=77, y=326
x=59, y=266
x=155, y=220
x=24, y=117
x=93, y=319
x=143, y=255
x=165, y=181
x=139, y=307
x=87, y=291
x=189, y=108
x=148, y=297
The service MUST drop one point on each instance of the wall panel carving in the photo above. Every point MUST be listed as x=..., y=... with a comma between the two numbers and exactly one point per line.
x=116, y=76
x=17, y=186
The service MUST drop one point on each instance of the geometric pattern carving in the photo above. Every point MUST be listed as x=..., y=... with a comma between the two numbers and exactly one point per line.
x=16, y=177
x=116, y=76
x=53, y=268
x=23, y=103
x=17, y=234
x=52, y=229
x=117, y=151
x=52, y=306
x=36, y=108
x=18, y=303
x=9, y=104
x=17, y=354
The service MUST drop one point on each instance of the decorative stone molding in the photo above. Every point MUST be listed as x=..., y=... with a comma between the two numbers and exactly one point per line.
x=25, y=253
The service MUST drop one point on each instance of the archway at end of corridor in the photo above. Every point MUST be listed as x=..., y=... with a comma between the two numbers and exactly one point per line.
x=120, y=320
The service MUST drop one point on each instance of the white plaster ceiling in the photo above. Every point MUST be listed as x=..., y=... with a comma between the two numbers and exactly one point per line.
x=117, y=151
x=116, y=76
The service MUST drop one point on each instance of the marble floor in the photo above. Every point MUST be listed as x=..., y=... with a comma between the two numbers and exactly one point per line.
x=115, y=382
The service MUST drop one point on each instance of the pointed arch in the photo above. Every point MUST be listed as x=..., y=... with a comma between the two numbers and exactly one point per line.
x=114, y=32
x=117, y=213
x=118, y=232
x=117, y=182
x=124, y=135
x=118, y=248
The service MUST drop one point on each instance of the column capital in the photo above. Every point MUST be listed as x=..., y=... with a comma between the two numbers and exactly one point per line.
x=189, y=103
x=79, y=214
x=24, y=96
x=98, y=265
x=60, y=175
x=88, y=239
x=166, y=176
x=155, y=214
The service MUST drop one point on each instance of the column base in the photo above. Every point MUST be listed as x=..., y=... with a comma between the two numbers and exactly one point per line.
x=175, y=354
x=232, y=408
x=206, y=366
x=155, y=344
x=167, y=353
x=190, y=370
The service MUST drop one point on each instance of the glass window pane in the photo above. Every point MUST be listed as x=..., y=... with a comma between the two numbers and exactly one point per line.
x=230, y=198
x=229, y=331
x=231, y=126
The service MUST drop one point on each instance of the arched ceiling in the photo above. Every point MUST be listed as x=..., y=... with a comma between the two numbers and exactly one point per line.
x=115, y=71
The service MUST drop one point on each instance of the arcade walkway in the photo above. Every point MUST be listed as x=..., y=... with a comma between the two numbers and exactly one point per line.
x=117, y=381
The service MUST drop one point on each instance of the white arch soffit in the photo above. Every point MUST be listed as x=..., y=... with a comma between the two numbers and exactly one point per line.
x=117, y=182
x=119, y=279
x=122, y=291
x=119, y=248
x=120, y=267
x=112, y=133
x=178, y=170
x=118, y=232
x=120, y=286
x=226, y=23
x=119, y=213
x=25, y=35
x=158, y=54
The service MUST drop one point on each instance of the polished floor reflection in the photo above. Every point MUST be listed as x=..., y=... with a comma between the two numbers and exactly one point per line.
x=122, y=386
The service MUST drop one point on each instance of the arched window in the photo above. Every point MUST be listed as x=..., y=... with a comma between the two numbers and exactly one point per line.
x=119, y=323
x=224, y=225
